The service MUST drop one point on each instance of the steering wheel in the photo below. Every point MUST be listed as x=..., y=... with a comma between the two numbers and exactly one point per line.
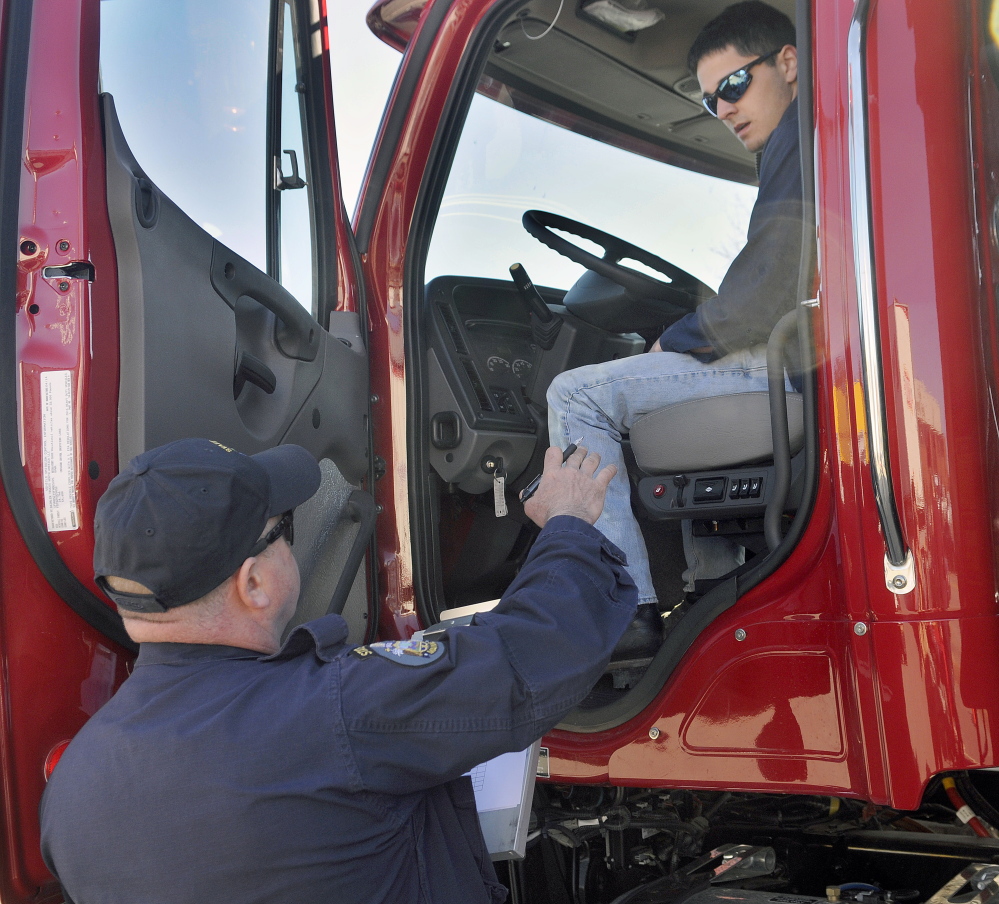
x=682, y=289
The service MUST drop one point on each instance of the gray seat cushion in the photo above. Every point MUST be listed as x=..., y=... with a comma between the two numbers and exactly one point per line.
x=717, y=432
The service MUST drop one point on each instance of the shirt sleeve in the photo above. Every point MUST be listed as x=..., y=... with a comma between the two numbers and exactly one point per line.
x=503, y=681
x=761, y=283
x=685, y=335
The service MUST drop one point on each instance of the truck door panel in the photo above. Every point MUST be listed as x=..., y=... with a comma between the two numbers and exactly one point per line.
x=212, y=346
x=125, y=330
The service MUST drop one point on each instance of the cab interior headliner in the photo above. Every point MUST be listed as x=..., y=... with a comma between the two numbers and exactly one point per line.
x=638, y=84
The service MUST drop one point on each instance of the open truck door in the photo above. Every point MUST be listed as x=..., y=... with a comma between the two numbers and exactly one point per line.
x=182, y=265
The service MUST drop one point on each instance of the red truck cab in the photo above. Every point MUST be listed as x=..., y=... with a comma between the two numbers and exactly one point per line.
x=179, y=262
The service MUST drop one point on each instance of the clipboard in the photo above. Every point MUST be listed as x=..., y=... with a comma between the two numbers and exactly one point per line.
x=504, y=789
x=504, y=785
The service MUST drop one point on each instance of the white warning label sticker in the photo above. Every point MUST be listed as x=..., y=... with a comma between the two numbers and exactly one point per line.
x=58, y=455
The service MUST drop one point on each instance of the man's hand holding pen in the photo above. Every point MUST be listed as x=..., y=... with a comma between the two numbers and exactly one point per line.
x=571, y=483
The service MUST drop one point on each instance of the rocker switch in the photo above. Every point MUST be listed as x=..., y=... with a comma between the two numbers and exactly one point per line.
x=709, y=489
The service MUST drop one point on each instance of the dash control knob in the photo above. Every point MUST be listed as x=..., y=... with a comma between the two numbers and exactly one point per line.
x=659, y=491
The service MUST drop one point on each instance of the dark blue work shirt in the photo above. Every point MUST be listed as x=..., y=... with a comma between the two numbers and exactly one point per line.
x=321, y=773
x=761, y=284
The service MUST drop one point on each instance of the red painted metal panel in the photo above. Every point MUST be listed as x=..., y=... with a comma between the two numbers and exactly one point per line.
x=984, y=97
x=928, y=661
x=926, y=258
x=384, y=271
x=348, y=288
x=57, y=671
x=855, y=533
x=931, y=330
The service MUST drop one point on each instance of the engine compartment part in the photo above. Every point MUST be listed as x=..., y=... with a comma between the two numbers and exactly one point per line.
x=603, y=845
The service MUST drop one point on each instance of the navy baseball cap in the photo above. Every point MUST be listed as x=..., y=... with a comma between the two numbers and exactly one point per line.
x=180, y=519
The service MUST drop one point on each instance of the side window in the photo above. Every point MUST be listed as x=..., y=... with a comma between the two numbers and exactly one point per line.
x=292, y=239
x=212, y=109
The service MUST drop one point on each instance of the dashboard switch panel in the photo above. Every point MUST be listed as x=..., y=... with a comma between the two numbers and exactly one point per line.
x=730, y=493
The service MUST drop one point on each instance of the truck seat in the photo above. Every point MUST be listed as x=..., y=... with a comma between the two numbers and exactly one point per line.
x=715, y=432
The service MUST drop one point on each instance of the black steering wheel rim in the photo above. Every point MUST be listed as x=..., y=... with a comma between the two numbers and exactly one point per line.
x=683, y=290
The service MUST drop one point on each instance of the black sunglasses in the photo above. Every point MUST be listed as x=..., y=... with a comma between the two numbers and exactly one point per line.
x=286, y=527
x=733, y=86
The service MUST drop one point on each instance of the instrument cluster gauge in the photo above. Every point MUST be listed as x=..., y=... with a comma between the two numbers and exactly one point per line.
x=522, y=367
x=498, y=365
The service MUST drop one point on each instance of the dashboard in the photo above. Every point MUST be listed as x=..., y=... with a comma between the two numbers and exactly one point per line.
x=487, y=375
x=508, y=354
x=483, y=338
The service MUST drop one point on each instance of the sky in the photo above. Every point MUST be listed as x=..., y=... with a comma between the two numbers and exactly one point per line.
x=363, y=69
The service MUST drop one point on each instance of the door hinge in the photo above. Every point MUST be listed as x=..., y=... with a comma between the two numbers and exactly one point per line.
x=901, y=579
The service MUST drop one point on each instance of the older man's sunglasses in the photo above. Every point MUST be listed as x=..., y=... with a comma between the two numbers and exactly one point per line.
x=285, y=527
x=734, y=85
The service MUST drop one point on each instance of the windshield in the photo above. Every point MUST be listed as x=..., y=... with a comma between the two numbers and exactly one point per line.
x=508, y=162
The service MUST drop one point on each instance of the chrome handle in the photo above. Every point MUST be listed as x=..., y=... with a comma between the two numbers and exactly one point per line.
x=899, y=572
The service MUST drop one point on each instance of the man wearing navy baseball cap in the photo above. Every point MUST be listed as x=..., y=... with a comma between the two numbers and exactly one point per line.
x=186, y=522
x=230, y=767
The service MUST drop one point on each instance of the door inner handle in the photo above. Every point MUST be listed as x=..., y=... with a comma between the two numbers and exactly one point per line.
x=250, y=369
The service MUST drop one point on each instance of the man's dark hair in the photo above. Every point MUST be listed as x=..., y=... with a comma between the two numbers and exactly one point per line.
x=751, y=27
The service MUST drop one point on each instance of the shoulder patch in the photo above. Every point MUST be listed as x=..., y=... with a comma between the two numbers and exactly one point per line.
x=405, y=652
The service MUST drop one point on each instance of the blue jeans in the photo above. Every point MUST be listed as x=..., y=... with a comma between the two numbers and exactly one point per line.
x=595, y=404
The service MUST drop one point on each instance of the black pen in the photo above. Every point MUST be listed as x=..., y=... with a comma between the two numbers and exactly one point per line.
x=532, y=487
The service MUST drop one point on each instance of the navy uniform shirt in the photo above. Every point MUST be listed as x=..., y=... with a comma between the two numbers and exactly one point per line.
x=326, y=772
x=761, y=284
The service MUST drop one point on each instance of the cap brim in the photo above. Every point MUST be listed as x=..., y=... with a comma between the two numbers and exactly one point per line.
x=294, y=476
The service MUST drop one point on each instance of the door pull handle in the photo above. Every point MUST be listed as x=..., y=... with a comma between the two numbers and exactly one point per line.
x=250, y=369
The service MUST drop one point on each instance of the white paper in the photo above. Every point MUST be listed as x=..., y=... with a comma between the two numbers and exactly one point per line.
x=58, y=451
x=499, y=783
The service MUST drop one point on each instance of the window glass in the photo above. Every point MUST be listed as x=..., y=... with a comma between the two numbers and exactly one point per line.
x=295, y=239
x=508, y=162
x=190, y=84
x=362, y=69
x=190, y=90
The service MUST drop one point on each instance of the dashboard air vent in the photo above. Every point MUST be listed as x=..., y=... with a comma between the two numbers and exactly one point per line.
x=453, y=329
x=480, y=390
